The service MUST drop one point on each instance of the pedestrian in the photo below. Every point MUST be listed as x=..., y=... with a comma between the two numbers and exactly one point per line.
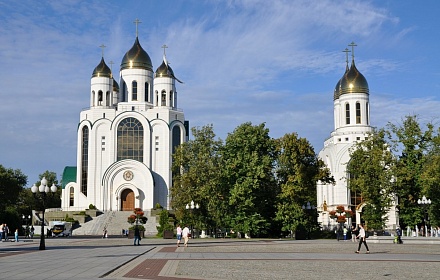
x=16, y=235
x=399, y=235
x=354, y=233
x=32, y=231
x=362, y=239
x=6, y=232
x=1, y=232
x=345, y=233
x=185, y=235
x=137, y=236
x=178, y=234
x=104, y=233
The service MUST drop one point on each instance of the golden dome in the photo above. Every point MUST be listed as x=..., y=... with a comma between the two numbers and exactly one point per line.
x=102, y=70
x=136, y=57
x=353, y=82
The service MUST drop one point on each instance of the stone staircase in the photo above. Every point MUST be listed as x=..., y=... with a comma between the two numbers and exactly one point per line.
x=114, y=221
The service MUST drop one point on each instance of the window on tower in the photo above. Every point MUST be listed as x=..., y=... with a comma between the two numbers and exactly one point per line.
x=130, y=140
x=347, y=113
x=164, y=99
x=366, y=113
x=84, y=159
x=100, y=98
x=358, y=112
x=146, y=97
x=134, y=90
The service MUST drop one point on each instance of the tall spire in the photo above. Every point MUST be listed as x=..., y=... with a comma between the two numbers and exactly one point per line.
x=137, y=21
x=346, y=58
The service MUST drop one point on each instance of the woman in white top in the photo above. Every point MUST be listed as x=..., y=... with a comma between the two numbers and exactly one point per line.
x=362, y=239
x=185, y=235
x=179, y=235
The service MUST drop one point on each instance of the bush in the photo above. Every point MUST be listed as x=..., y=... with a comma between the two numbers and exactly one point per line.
x=164, y=223
x=158, y=206
x=92, y=207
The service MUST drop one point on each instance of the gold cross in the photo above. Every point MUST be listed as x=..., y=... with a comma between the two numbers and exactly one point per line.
x=102, y=47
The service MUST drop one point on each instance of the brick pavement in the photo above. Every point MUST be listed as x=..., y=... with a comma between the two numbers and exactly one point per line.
x=218, y=259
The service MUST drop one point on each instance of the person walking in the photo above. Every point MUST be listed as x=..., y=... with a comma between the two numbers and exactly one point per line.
x=345, y=233
x=16, y=235
x=362, y=239
x=179, y=235
x=6, y=232
x=399, y=235
x=104, y=233
x=1, y=231
x=354, y=233
x=185, y=235
x=137, y=236
x=32, y=231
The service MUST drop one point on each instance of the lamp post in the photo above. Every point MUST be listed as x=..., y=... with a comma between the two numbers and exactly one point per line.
x=425, y=203
x=191, y=207
x=41, y=193
x=308, y=208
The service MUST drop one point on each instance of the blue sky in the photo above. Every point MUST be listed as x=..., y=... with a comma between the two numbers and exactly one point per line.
x=260, y=61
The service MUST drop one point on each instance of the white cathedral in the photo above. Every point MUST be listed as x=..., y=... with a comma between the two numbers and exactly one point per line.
x=351, y=110
x=126, y=138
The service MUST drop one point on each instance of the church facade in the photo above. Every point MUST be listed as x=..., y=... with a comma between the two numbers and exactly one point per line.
x=351, y=109
x=126, y=137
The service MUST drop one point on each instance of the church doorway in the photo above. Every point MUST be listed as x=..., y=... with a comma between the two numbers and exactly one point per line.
x=127, y=200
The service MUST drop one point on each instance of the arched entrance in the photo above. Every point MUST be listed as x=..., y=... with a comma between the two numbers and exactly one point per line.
x=127, y=200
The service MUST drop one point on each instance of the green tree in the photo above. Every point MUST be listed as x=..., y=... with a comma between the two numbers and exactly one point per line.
x=196, y=177
x=410, y=143
x=298, y=170
x=12, y=183
x=430, y=179
x=371, y=173
x=248, y=161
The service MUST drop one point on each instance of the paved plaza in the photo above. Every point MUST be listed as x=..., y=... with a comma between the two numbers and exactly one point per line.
x=160, y=259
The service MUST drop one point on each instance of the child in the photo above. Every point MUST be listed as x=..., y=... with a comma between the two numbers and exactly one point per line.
x=16, y=235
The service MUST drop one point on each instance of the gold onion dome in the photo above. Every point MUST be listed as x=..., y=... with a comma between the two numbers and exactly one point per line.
x=164, y=70
x=136, y=57
x=353, y=82
x=102, y=70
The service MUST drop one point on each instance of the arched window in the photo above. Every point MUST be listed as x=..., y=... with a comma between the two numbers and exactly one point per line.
x=107, y=98
x=171, y=99
x=93, y=98
x=100, y=98
x=134, y=91
x=84, y=159
x=358, y=112
x=367, y=114
x=146, y=97
x=347, y=113
x=71, y=196
x=124, y=91
x=176, y=138
x=164, y=99
x=157, y=98
x=130, y=140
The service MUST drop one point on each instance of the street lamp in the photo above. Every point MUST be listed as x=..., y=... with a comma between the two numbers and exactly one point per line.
x=41, y=193
x=308, y=208
x=191, y=207
x=425, y=203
